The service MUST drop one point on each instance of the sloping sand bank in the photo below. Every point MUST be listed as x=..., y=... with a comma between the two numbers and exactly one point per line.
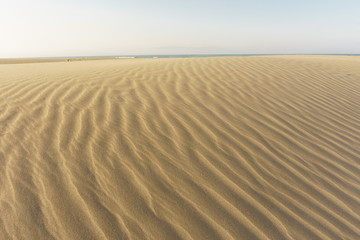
x=203, y=148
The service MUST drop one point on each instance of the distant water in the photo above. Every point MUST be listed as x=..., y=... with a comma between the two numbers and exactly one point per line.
x=191, y=55
x=185, y=55
x=162, y=56
x=209, y=55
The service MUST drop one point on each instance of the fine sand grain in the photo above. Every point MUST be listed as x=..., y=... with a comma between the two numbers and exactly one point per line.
x=203, y=148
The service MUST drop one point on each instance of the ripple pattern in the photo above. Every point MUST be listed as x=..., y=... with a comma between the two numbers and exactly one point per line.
x=204, y=148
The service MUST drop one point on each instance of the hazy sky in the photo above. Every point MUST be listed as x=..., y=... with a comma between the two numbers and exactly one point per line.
x=40, y=28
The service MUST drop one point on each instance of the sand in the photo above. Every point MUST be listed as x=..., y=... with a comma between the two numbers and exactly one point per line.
x=46, y=60
x=203, y=148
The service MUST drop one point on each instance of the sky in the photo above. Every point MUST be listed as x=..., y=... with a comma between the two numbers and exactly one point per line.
x=54, y=28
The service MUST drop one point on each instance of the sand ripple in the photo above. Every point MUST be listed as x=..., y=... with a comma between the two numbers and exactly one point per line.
x=204, y=148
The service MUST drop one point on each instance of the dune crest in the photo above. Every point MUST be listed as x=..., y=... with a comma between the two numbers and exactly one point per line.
x=204, y=148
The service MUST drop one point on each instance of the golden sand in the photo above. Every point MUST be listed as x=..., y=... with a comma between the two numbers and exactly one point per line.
x=203, y=148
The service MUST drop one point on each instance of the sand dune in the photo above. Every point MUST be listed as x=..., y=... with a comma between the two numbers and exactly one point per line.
x=204, y=148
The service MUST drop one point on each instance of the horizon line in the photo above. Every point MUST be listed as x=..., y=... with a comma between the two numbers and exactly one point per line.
x=182, y=54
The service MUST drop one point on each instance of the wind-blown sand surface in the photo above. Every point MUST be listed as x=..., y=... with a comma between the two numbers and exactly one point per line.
x=203, y=148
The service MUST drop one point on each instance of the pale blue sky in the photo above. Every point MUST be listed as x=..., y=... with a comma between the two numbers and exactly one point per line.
x=41, y=28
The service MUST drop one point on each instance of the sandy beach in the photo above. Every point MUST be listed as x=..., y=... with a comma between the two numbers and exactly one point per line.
x=264, y=147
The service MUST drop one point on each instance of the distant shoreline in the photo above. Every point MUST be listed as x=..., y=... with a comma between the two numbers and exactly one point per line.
x=44, y=60
x=87, y=58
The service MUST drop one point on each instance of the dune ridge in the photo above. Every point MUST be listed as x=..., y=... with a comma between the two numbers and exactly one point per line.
x=204, y=148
